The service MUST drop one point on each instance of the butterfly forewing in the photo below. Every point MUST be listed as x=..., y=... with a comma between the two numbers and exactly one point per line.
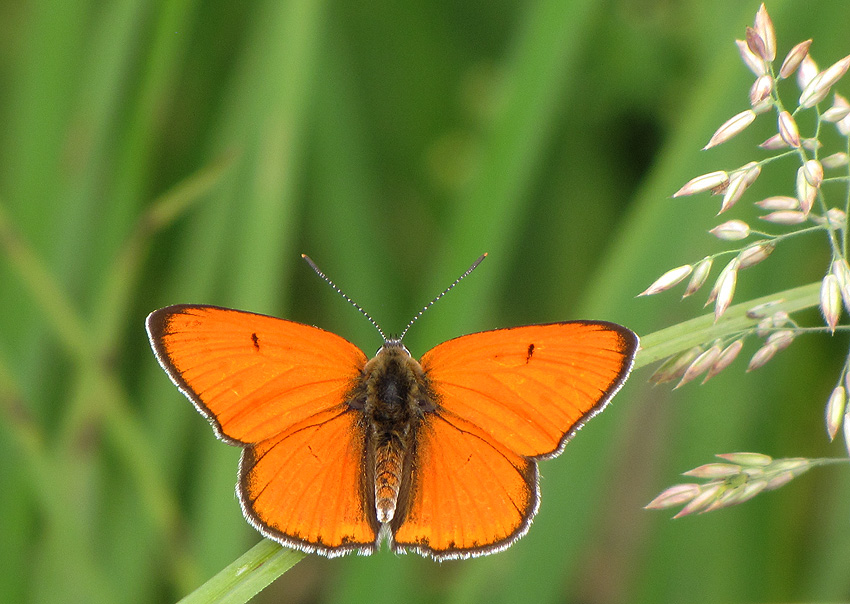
x=530, y=388
x=251, y=375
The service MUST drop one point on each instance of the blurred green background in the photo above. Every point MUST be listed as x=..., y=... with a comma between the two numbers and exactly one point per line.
x=172, y=151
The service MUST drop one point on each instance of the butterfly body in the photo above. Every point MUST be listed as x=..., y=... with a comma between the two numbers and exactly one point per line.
x=438, y=456
x=394, y=396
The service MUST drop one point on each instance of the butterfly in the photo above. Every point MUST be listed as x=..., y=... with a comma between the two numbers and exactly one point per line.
x=342, y=453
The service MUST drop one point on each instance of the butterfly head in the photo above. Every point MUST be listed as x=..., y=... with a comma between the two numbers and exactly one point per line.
x=393, y=344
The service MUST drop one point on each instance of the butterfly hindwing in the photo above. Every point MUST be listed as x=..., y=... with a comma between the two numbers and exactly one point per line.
x=304, y=487
x=470, y=496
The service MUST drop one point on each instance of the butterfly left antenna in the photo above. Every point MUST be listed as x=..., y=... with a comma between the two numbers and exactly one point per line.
x=325, y=278
x=442, y=293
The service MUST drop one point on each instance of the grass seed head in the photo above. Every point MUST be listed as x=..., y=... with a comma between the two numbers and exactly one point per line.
x=794, y=58
x=731, y=230
x=807, y=71
x=703, y=183
x=700, y=274
x=785, y=217
x=830, y=301
x=834, y=161
x=755, y=253
x=779, y=202
x=764, y=27
x=732, y=127
x=755, y=63
x=725, y=359
x=835, y=408
x=788, y=130
x=667, y=280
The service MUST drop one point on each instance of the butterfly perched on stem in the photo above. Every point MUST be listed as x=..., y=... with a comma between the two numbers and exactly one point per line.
x=341, y=452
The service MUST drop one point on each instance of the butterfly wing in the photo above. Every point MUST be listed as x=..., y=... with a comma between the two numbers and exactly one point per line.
x=278, y=389
x=252, y=376
x=531, y=388
x=469, y=495
x=505, y=398
x=304, y=488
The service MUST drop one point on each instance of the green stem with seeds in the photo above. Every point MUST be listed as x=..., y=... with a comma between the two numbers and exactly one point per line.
x=684, y=336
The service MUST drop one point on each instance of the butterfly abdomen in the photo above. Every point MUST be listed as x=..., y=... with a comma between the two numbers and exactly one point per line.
x=396, y=399
x=388, y=474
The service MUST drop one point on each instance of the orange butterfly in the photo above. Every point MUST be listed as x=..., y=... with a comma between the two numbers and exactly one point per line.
x=341, y=452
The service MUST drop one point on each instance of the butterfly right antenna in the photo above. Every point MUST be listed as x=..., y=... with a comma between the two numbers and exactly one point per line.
x=443, y=293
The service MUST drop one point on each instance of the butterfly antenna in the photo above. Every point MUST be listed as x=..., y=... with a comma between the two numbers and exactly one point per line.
x=443, y=293
x=325, y=278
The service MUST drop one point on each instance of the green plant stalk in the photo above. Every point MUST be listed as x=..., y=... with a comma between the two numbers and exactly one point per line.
x=247, y=575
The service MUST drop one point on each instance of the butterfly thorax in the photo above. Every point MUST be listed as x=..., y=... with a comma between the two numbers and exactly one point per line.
x=395, y=396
